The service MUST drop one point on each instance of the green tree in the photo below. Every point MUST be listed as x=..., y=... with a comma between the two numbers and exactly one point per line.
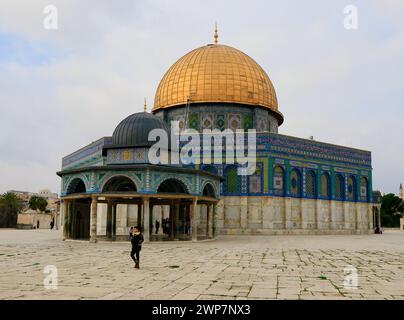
x=9, y=208
x=391, y=210
x=38, y=203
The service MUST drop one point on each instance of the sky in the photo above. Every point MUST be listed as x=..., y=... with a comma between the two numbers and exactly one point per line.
x=62, y=89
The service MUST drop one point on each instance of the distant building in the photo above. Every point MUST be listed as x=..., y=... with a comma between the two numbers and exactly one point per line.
x=28, y=218
x=24, y=196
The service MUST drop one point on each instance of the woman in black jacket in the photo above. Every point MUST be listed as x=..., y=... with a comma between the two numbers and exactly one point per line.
x=137, y=240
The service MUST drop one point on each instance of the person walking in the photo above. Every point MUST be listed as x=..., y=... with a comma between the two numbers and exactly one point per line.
x=137, y=240
x=157, y=226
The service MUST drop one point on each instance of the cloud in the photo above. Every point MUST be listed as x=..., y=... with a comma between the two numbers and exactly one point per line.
x=60, y=90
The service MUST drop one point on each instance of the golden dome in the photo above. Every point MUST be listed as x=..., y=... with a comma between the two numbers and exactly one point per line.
x=216, y=73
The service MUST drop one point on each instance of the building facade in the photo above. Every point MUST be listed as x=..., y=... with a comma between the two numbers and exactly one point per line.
x=300, y=186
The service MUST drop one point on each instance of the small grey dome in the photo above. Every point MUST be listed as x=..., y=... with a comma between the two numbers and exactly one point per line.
x=134, y=130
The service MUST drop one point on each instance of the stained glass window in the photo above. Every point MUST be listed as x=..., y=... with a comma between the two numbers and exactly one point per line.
x=339, y=187
x=279, y=176
x=364, y=187
x=311, y=184
x=325, y=185
x=232, y=180
x=351, y=188
x=295, y=182
x=255, y=181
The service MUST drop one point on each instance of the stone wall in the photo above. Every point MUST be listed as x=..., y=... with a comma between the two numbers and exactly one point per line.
x=262, y=215
x=29, y=220
x=277, y=215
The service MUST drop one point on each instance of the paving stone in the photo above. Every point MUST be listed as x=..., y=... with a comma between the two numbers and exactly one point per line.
x=231, y=267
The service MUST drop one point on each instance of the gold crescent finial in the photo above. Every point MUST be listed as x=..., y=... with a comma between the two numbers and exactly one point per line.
x=216, y=36
x=145, y=105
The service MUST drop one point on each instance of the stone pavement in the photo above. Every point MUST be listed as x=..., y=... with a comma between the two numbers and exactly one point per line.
x=231, y=267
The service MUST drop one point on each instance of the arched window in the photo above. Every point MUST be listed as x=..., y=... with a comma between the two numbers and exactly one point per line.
x=364, y=189
x=232, y=180
x=325, y=185
x=339, y=187
x=311, y=185
x=76, y=186
x=255, y=181
x=119, y=184
x=279, y=180
x=208, y=191
x=172, y=185
x=351, y=188
x=295, y=183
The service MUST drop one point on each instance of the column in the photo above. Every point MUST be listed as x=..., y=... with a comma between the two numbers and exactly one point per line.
x=109, y=220
x=146, y=220
x=93, y=230
x=210, y=221
x=187, y=220
x=370, y=215
x=113, y=222
x=139, y=215
x=171, y=221
x=71, y=222
x=65, y=219
x=214, y=220
x=151, y=219
x=194, y=220
x=141, y=219
x=161, y=220
x=124, y=217
x=374, y=217
x=357, y=212
x=176, y=220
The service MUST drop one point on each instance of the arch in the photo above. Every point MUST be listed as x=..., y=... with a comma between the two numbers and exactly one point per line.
x=109, y=175
x=351, y=188
x=364, y=183
x=325, y=185
x=215, y=186
x=296, y=183
x=311, y=184
x=339, y=187
x=157, y=179
x=172, y=185
x=78, y=215
x=76, y=185
x=232, y=180
x=209, y=190
x=119, y=184
x=279, y=180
